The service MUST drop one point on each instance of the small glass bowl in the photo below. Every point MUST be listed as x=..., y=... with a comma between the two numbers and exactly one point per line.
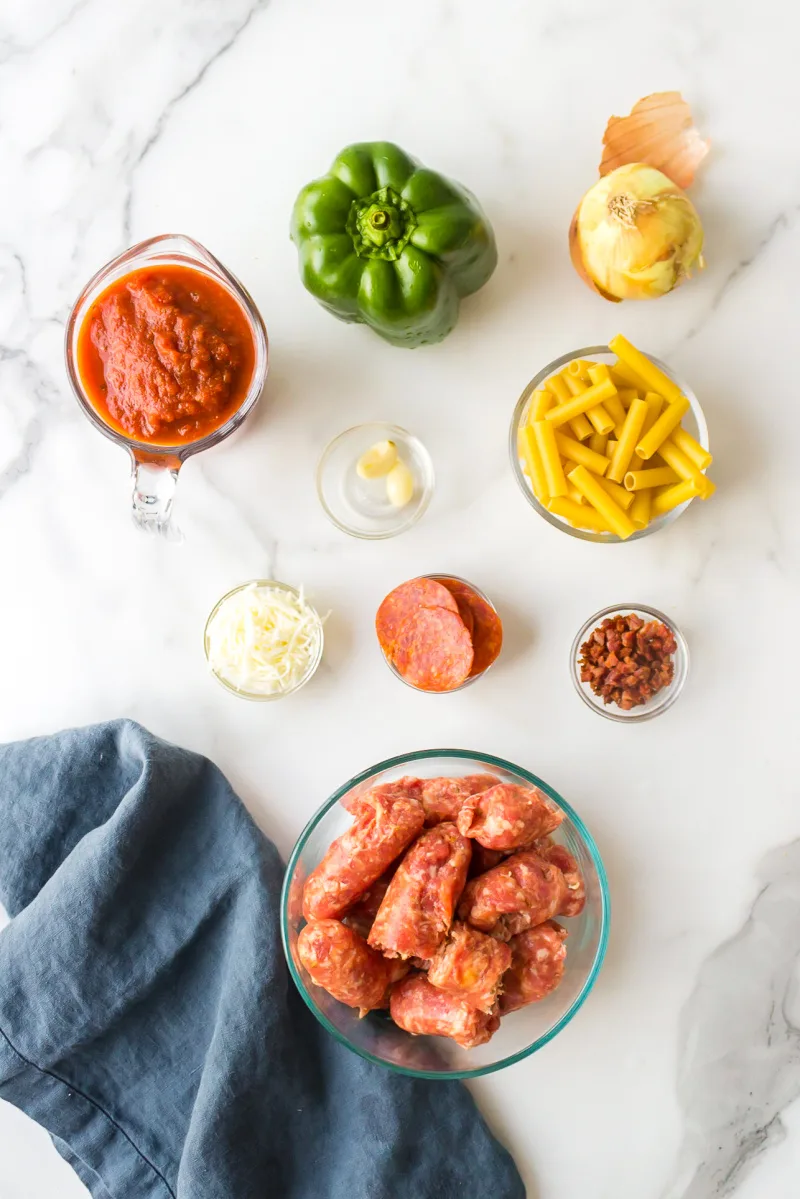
x=694, y=422
x=359, y=506
x=314, y=661
x=662, y=699
x=521, y=1033
x=473, y=678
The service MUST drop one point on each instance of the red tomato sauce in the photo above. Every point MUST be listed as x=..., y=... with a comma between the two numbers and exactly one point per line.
x=166, y=355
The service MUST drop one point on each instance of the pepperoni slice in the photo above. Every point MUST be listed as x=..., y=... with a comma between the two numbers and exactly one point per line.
x=464, y=610
x=403, y=602
x=433, y=650
x=487, y=627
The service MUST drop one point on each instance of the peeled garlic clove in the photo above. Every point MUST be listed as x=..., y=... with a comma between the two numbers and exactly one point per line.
x=377, y=461
x=636, y=235
x=399, y=485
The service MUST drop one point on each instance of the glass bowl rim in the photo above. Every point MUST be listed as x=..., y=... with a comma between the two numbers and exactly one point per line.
x=277, y=585
x=425, y=499
x=557, y=523
x=671, y=694
x=207, y=263
x=473, y=678
x=401, y=760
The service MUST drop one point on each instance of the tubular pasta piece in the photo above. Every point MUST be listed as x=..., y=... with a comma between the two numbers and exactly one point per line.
x=589, y=398
x=680, y=463
x=599, y=499
x=624, y=377
x=654, y=404
x=576, y=451
x=691, y=448
x=579, y=425
x=678, y=494
x=639, y=511
x=598, y=417
x=540, y=401
x=544, y=434
x=632, y=427
x=580, y=516
x=642, y=480
x=655, y=437
x=644, y=369
x=617, y=492
x=556, y=385
x=529, y=452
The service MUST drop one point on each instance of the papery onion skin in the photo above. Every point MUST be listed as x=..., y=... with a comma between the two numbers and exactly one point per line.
x=635, y=235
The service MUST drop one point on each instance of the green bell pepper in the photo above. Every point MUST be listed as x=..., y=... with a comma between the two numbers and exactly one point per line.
x=387, y=243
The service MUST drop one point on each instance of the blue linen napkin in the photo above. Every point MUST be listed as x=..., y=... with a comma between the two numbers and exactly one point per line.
x=147, y=1017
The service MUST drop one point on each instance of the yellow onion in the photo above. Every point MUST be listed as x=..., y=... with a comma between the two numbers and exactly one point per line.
x=635, y=235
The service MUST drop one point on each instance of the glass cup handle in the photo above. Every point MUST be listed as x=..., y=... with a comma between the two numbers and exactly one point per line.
x=154, y=483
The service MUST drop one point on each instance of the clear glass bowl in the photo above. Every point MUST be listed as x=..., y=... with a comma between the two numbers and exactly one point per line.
x=662, y=699
x=376, y=1037
x=360, y=507
x=473, y=678
x=313, y=663
x=155, y=467
x=694, y=422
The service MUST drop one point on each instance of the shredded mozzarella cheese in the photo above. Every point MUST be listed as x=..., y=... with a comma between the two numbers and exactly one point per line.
x=263, y=640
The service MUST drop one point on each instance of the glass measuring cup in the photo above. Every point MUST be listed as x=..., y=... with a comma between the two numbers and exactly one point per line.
x=155, y=467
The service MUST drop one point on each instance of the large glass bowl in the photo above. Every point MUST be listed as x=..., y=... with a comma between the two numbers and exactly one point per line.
x=521, y=1033
x=694, y=422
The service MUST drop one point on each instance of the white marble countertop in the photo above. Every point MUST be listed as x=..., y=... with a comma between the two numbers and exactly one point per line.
x=679, y=1077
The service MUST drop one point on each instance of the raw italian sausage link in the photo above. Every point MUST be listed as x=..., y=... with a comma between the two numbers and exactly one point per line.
x=417, y=910
x=422, y=1009
x=442, y=798
x=384, y=825
x=508, y=816
x=339, y=960
x=524, y=890
x=470, y=965
x=538, y=959
x=574, y=899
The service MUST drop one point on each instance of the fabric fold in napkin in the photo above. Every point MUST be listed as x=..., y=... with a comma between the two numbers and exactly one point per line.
x=147, y=1017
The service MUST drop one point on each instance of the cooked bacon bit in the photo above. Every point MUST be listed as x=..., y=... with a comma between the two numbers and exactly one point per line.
x=626, y=662
x=659, y=131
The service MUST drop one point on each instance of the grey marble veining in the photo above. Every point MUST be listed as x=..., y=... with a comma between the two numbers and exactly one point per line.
x=739, y=1040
